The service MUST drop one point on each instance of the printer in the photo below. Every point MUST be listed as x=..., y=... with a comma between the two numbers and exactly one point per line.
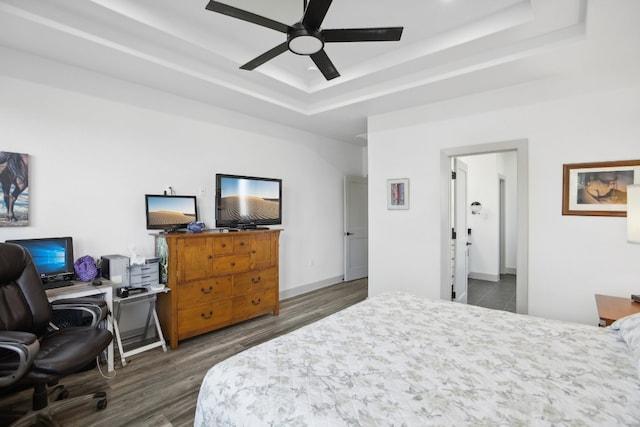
x=115, y=268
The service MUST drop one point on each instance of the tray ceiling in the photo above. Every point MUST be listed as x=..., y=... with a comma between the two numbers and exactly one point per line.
x=449, y=48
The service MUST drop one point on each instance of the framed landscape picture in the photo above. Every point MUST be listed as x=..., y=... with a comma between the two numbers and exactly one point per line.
x=398, y=193
x=598, y=188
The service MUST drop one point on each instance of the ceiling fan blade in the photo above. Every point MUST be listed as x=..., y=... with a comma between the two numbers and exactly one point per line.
x=270, y=54
x=325, y=65
x=363, y=35
x=315, y=12
x=234, y=12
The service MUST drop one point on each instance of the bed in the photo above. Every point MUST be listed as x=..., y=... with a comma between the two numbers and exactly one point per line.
x=399, y=359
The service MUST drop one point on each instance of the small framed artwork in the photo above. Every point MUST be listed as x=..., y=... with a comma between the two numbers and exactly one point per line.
x=14, y=182
x=398, y=193
x=598, y=188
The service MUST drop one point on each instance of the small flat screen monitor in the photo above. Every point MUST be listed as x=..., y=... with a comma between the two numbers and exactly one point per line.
x=53, y=257
x=247, y=201
x=170, y=213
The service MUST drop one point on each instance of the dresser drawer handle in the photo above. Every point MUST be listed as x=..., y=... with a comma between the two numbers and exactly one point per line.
x=256, y=301
x=233, y=264
x=210, y=257
x=241, y=243
x=205, y=316
x=206, y=291
x=255, y=280
x=224, y=245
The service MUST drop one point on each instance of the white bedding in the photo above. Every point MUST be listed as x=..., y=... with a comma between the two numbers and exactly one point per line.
x=398, y=359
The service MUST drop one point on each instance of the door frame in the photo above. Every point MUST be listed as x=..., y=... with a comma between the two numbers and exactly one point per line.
x=461, y=251
x=521, y=147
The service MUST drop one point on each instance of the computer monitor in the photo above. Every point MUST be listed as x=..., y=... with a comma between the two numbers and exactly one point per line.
x=53, y=257
x=170, y=213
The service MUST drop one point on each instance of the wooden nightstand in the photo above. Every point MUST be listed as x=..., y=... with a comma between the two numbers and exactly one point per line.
x=611, y=308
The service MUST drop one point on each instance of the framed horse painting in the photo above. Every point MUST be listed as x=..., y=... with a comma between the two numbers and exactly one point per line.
x=14, y=182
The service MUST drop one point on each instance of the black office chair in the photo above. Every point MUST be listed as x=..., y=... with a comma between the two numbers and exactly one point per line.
x=33, y=354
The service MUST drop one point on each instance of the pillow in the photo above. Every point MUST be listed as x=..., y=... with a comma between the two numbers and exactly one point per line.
x=628, y=328
x=627, y=322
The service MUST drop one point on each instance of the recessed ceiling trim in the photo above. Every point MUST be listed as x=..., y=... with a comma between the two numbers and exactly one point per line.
x=509, y=17
x=511, y=53
x=517, y=14
x=238, y=57
x=64, y=28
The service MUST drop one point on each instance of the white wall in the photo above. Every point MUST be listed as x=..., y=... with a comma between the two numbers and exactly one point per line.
x=482, y=176
x=484, y=253
x=92, y=160
x=570, y=257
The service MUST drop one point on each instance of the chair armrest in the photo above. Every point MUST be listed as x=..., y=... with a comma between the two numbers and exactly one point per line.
x=17, y=351
x=95, y=306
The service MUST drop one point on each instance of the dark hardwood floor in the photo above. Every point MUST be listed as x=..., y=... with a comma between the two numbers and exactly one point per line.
x=161, y=389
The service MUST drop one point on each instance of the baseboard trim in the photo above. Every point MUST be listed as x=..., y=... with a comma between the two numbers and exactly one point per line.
x=484, y=276
x=299, y=290
x=510, y=270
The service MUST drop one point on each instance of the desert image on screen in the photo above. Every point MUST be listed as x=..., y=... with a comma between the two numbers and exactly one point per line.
x=249, y=200
x=171, y=211
x=236, y=208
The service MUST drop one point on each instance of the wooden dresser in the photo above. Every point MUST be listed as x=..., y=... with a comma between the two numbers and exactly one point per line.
x=216, y=279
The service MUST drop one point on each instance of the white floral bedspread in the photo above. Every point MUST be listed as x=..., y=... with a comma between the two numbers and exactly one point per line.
x=403, y=360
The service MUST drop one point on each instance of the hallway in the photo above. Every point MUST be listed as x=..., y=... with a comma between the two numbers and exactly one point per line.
x=499, y=295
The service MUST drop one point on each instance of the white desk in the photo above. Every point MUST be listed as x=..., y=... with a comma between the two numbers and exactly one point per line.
x=148, y=297
x=85, y=289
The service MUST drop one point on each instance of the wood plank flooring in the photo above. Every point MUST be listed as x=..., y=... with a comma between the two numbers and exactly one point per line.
x=161, y=389
x=500, y=295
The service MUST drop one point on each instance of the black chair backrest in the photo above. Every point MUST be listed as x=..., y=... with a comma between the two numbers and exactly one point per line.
x=23, y=301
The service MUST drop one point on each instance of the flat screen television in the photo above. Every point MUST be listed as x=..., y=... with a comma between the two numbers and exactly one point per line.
x=247, y=202
x=53, y=257
x=170, y=213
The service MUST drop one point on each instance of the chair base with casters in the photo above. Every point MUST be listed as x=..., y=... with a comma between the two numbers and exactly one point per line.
x=47, y=403
x=45, y=416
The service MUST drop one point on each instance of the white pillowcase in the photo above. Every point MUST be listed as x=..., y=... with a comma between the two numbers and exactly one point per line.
x=629, y=329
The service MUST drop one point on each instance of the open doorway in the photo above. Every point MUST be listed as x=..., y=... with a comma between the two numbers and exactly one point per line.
x=490, y=233
x=520, y=250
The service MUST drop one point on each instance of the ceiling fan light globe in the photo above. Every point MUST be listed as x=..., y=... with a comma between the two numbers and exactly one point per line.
x=305, y=45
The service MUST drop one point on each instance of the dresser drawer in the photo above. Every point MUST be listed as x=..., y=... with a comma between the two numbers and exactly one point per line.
x=202, y=291
x=255, y=281
x=230, y=264
x=243, y=244
x=252, y=305
x=223, y=245
x=204, y=317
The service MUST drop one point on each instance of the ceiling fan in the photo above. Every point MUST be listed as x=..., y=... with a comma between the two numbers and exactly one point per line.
x=306, y=37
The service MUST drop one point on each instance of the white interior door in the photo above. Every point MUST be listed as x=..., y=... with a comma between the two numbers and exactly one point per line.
x=356, y=228
x=461, y=243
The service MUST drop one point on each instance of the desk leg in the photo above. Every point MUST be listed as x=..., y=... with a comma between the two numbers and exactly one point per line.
x=159, y=330
x=108, y=297
x=116, y=327
x=117, y=330
x=110, y=356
